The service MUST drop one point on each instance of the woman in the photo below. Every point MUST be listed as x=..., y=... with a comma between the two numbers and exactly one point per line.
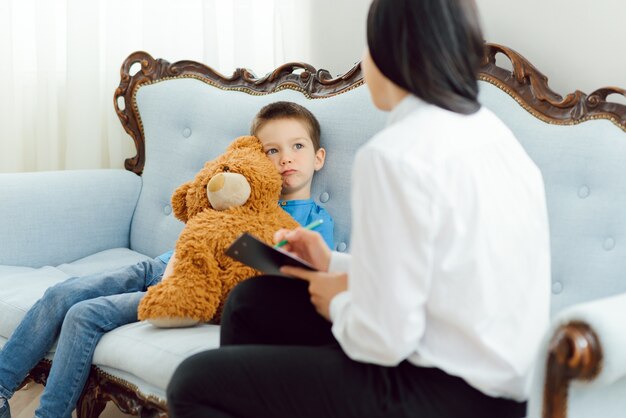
x=443, y=301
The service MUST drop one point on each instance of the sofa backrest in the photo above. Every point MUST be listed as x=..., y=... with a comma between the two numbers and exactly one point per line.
x=185, y=113
x=579, y=144
x=187, y=120
x=584, y=170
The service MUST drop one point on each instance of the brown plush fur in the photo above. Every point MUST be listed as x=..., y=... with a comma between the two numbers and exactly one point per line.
x=203, y=275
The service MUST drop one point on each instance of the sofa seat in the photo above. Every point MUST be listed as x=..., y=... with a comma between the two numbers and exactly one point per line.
x=129, y=353
x=146, y=356
x=21, y=287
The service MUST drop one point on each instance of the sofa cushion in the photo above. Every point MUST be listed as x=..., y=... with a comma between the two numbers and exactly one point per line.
x=47, y=218
x=19, y=290
x=21, y=287
x=151, y=354
x=102, y=261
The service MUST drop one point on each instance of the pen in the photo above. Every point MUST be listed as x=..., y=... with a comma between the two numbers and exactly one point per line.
x=312, y=225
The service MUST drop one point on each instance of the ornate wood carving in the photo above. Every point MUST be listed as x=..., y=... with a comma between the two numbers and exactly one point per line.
x=575, y=353
x=525, y=84
x=529, y=87
x=314, y=84
x=90, y=404
x=101, y=388
x=39, y=373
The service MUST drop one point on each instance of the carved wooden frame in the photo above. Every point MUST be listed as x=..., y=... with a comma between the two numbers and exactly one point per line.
x=100, y=388
x=314, y=84
x=529, y=87
x=575, y=352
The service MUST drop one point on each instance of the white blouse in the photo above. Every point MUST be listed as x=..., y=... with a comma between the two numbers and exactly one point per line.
x=450, y=257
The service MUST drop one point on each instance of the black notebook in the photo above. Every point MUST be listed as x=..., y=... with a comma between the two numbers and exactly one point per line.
x=253, y=252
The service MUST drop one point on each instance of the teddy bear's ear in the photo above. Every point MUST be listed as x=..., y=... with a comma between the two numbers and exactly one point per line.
x=179, y=201
x=245, y=142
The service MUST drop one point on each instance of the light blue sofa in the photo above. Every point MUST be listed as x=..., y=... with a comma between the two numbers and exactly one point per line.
x=54, y=225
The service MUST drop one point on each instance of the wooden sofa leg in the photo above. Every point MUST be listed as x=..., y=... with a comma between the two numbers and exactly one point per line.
x=101, y=388
x=90, y=404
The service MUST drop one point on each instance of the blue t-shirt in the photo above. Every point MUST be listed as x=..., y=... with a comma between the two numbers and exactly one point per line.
x=304, y=212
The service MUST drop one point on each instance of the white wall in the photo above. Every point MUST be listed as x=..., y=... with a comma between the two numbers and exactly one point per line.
x=338, y=34
x=577, y=44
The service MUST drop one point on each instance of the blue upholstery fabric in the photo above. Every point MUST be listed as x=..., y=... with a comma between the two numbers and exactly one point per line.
x=584, y=171
x=187, y=122
x=49, y=218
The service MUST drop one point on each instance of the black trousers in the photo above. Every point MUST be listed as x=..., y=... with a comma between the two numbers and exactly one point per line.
x=279, y=359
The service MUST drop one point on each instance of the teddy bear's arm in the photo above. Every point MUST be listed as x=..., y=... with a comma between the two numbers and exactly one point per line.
x=194, y=290
x=179, y=201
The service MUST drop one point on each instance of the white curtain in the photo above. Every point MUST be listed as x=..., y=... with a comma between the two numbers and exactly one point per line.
x=60, y=60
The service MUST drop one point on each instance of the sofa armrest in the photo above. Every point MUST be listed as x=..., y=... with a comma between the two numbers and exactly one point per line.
x=586, y=344
x=49, y=218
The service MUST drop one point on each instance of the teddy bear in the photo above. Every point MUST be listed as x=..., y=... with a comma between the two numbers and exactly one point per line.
x=236, y=192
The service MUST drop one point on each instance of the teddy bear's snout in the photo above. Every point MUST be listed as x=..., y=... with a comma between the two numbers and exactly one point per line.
x=227, y=190
x=216, y=183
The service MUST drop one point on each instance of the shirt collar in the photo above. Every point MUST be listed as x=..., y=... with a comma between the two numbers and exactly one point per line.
x=404, y=108
x=295, y=202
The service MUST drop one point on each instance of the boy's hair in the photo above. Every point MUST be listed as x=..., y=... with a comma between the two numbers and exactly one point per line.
x=288, y=110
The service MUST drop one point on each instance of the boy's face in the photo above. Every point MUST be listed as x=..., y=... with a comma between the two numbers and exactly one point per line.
x=288, y=145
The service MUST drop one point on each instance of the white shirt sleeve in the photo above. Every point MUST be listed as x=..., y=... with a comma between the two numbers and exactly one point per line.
x=339, y=262
x=381, y=318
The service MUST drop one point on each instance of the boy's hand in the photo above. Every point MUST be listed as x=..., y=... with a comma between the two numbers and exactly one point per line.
x=308, y=245
x=323, y=287
x=169, y=269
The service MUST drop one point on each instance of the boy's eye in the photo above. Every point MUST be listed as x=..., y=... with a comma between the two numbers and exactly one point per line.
x=298, y=146
x=271, y=151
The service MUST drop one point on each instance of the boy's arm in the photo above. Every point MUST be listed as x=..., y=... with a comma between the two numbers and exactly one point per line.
x=170, y=267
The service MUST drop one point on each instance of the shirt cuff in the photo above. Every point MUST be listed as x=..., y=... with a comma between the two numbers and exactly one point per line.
x=337, y=304
x=339, y=262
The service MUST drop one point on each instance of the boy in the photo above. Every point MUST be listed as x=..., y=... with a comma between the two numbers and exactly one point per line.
x=290, y=135
x=81, y=309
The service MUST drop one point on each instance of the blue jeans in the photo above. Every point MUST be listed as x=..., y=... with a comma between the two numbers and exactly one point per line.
x=78, y=312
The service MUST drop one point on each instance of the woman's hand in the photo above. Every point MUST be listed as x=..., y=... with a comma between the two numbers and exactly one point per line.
x=308, y=245
x=323, y=287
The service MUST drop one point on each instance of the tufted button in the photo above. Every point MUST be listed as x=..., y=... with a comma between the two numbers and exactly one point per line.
x=609, y=244
x=167, y=209
x=557, y=287
x=187, y=132
x=341, y=247
x=583, y=192
x=324, y=197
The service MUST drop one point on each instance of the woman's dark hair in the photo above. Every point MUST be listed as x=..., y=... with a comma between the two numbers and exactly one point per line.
x=431, y=48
